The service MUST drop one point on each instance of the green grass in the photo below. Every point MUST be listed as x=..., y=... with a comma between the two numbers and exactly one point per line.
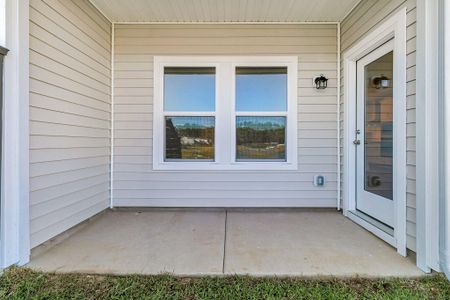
x=18, y=283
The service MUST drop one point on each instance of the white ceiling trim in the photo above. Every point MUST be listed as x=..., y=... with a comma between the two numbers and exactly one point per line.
x=228, y=23
x=101, y=11
x=351, y=10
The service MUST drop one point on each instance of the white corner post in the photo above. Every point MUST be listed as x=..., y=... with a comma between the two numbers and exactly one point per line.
x=444, y=96
x=427, y=135
x=14, y=217
x=2, y=22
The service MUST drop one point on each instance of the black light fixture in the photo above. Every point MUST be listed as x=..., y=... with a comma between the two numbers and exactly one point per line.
x=321, y=82
x=381, y=82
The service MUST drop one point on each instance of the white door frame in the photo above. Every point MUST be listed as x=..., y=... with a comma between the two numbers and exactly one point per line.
x=393, y=27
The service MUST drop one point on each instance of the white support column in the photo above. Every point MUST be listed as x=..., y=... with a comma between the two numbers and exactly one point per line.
x=2, y=22
x=14, y=218
x=427, y=136
x=444, y=95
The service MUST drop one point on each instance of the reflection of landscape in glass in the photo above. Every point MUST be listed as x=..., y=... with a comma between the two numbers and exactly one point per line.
x=189, y=89
x=261, y=138
x=261, y=88
x=189, y=138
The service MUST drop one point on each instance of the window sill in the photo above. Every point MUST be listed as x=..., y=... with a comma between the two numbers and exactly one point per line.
x=214, y=166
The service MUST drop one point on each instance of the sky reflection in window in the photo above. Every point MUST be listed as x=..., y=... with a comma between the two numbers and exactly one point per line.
x=189, y=89
x=261, y=89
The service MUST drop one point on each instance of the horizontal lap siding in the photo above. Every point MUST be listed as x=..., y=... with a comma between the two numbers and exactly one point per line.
x=136, y=184
x=362, y=20
x=70, y=115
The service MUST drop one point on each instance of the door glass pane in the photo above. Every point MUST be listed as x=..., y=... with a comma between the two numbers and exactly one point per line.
x=261, y=138
x=378, y=146
x=189, y=138
x=189, y=89
x=261, y=89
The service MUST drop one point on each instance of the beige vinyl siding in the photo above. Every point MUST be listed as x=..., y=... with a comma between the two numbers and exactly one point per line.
x=70, y=115
x=135, y=182
x=362, y=20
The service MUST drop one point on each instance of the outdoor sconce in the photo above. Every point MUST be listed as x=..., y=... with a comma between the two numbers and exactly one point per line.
x=321, y=82
x=381, y=82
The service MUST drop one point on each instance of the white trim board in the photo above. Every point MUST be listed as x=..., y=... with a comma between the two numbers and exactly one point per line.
x=226, y=23
x=394, y=27
x=101, y=12
x=15, y=219
x=111, y=162
x=2, y=23
x=427, y=122
x=338, y=120
x=444, y=145
x=351, y=10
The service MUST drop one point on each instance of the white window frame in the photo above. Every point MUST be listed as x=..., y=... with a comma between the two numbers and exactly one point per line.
x=225, y=114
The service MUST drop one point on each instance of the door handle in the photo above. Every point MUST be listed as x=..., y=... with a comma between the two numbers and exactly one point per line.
x=357, y=142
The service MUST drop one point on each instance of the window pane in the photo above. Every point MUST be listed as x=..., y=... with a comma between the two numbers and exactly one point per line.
x=189, y=89
x=189, y=138
x=261, y=89
x=261, y=138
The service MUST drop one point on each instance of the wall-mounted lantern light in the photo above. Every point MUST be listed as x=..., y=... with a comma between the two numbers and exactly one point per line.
x=320, y=82
x=381, y=82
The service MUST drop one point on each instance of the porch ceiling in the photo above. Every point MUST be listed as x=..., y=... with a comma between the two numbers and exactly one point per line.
x=225, y=10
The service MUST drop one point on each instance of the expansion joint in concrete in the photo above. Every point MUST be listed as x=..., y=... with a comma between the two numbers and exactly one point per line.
x=225, y=242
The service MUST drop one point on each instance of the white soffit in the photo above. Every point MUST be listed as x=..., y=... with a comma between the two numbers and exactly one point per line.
x=212, y=11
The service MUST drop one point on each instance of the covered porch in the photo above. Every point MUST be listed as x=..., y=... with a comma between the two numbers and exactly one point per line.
x=108, y=166
x=261, y=242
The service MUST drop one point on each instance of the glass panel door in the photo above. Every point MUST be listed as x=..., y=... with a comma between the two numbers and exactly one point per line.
x=374, y=134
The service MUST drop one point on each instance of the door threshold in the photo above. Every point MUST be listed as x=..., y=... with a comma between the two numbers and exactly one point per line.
x=377, y=228
x=386, y=228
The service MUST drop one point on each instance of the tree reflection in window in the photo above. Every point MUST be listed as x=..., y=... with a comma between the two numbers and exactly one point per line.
x=261, y=138
x=189, y=138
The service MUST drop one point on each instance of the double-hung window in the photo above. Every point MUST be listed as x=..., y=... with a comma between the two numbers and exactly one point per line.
x=189, y=113
x=225, y=113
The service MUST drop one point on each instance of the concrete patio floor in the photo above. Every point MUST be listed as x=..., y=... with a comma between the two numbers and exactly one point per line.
x=215, y=242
